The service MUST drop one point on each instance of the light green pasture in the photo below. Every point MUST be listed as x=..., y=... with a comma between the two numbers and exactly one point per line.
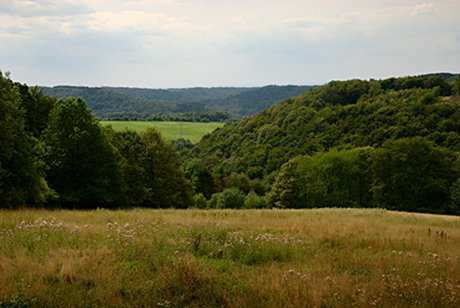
x=192, y=131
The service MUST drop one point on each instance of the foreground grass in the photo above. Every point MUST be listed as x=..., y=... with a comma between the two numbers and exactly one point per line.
x=168, y=258
x=170, y=130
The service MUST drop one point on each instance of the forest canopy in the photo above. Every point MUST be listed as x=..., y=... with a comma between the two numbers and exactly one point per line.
x=325, y=147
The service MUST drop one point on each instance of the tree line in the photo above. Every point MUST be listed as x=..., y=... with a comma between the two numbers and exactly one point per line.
x=409, y=174
x=56, y=154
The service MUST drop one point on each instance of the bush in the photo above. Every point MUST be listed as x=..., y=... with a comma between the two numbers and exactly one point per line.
x=212, y=202
x=230, y=198
x=200, y=201
x=254, y=201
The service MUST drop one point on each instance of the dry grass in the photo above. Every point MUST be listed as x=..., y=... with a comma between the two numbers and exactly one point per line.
x=252, y=258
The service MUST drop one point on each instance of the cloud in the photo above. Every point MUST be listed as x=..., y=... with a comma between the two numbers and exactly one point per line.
x=179, y=42
x=28, y=8
x=424, y=9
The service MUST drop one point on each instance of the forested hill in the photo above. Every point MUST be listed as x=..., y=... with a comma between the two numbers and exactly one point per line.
x=341, y=115
x=392, y=143
x=213, y=104
x=254, y=100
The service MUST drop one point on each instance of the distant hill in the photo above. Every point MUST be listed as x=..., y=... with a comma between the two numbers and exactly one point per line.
x=212, y=104
x=448, y=77
x=254, y=100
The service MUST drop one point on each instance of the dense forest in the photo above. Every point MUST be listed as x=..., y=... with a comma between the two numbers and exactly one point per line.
x=392, y=143
x=191, y=104
x=54, y=153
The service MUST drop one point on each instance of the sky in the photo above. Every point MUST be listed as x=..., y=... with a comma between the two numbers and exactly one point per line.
x=178, y=43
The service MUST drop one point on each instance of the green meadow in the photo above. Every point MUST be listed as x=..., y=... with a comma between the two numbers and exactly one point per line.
x=192, y=131
x=228, y=258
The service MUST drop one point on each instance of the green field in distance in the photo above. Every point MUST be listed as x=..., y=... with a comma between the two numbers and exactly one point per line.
x=192, y=131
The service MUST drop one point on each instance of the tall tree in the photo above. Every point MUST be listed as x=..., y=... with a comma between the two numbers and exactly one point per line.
x=413, y=174
x=37, y=107
x=285, y=190
x=84, y=168
x=132, y=150
x=152, y=172
x=20, y=180
x=168, y=186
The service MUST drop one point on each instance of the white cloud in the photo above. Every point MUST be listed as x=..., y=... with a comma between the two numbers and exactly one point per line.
x=202, y=42
x=423, y=9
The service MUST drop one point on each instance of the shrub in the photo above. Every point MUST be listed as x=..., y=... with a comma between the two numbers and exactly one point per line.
x=230, y=198
x=254, y=201
x=200, y=201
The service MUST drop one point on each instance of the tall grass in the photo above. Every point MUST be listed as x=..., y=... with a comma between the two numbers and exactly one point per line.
x=252, y=258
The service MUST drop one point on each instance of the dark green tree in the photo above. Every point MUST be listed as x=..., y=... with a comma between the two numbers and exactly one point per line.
x=204, y=182
x=229, y=198
x=456, y=86
x=343, y=92
x=152, y=172
x=285, y=190
x=412, y=174
x=21, y=182
x=84, y=168
x=254, y=201
x=335, y=179
x=167, y=184
x=37, y=107
x=455, y=197
x=132, y=150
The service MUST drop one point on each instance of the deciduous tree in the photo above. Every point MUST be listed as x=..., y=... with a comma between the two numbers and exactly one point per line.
x=84, y=168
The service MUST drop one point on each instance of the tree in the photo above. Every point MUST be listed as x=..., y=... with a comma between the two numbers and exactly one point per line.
x=167, y=184
x=131, y=148
x=455, y=197
x=284, y=192
x=84, y=168
x=254, y=201
x=456, y=86
x=229, y=198
x=37, y=107
x=334, y=178
x=20, y=174
x=204, y=182
x=152, y=172
x=412, y=174
x=200, y=201
x=344, y=92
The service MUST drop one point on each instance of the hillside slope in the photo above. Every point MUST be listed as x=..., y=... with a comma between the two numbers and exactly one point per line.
x=347, y=114
x=188, y=103
x=256, y=99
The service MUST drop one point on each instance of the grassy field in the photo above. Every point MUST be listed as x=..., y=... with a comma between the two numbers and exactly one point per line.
x=192, y=131
x=229, y=258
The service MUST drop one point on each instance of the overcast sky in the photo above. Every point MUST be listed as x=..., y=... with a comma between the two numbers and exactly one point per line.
x=179, y=43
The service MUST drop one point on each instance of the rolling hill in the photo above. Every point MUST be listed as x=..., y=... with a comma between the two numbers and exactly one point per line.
x=340, y=114
x=200, y=104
